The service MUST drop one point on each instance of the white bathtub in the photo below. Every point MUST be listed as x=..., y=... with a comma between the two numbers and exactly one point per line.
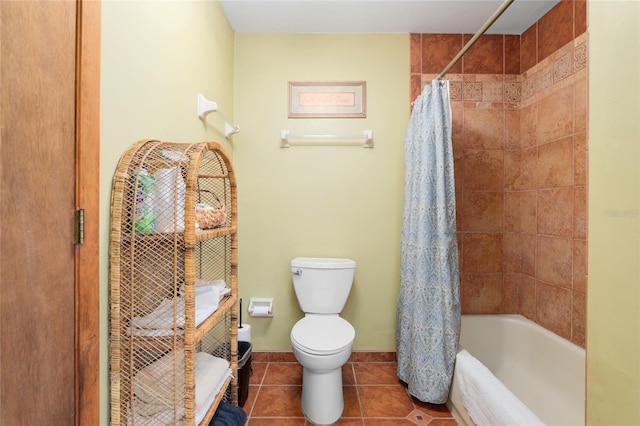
x=545, y=371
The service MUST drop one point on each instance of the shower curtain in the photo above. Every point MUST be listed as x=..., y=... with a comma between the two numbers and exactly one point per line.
x=428, y=312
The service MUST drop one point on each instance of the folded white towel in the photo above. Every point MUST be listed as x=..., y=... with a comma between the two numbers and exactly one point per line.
x=488, y=401
x=162, y=316
x=156, y=385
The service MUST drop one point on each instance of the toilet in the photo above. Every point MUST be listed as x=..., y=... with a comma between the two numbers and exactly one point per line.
x=322, y=340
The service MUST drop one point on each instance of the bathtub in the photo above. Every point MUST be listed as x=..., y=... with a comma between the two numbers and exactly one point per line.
x=545, y=371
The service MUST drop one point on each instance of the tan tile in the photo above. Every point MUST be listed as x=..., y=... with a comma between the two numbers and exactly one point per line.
x=376, y=373
x=344, y=421
x=351, y=402
x=555, y=29
x=431, y=410
x=397, y=402
x=282, y=356
x=580, y=158
x=545, y=77
x=416, y=87
x=555, y=212
x=529, y=48
x=512, y=170
x=555, y=118
x=512, y=129
x=472, y=91
x=580, y=266
x=291, y=421
x=579, y=320
x=563, y=67
x=251, y=398
x=483, y=170
x=580, y=212
x=512, y=54
x=483, y=211
x=529, y=243
x=529, y=125
x=443, y=422
x=580, y=16
x=481, y=293
x=512, y=256
x=283, y=373
x=581, y=87
x=555, y=163
x=348, y=377
x=510, y=293
x=374, y=356
x=260, y=356
x=512, y=216
x=529, y=161
x=529, y=212
x=278, y=401
x=580, y=58
x=457, y=126
x=438, y=50
x=554, y=257
x=388, y=422
x=258, y=369
x=527, y=297
x=482, y=252
x=416, y=53
x=493, y=91
x=419, y=418
x=553, y=308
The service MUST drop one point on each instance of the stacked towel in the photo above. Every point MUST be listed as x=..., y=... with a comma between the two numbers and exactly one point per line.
x=156, y=386
x=159, y=322
x=487, y=400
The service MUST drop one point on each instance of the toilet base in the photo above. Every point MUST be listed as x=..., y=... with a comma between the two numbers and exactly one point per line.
x=322, y=399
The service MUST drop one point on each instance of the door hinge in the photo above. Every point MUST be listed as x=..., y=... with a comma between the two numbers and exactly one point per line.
x=79, y=227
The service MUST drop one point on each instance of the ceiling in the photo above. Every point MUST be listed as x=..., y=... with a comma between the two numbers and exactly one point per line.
x=381, y=16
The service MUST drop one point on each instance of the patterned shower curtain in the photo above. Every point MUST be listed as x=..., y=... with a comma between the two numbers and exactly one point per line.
x=428, y=315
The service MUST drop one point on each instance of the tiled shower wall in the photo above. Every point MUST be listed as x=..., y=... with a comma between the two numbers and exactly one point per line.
x=519, y=106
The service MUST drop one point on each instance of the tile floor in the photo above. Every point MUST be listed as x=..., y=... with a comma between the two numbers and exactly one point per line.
x=372, y=392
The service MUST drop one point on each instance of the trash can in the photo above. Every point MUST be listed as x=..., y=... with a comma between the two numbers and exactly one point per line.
x=244, y=371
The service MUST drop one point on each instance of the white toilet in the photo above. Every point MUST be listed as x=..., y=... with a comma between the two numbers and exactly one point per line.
x=322, y=340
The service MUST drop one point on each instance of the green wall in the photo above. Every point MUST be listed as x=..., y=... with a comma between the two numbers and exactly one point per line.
x=320, y=201
x=156, y=56
x=613, y=325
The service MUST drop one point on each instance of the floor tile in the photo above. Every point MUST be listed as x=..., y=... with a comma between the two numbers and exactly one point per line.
x=283, y=373
x=278, y=401
x=276, y=422
x=376, y=373
x=385, y=401
x=373, y=395
x=351, y=402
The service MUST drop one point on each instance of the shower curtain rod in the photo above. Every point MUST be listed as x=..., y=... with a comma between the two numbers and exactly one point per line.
x=477, y=35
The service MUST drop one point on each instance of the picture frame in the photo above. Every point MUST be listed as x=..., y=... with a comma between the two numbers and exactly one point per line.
x=331, y=99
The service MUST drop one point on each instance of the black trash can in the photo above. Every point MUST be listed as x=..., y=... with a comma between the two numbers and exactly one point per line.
x=244, y=371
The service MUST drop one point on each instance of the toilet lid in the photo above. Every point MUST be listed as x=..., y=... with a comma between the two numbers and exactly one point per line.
x=319, y=334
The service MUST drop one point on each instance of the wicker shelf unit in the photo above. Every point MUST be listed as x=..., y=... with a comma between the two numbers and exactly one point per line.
x=173, y=284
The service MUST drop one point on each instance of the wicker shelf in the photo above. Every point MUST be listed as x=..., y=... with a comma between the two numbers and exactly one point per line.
x=173, y=287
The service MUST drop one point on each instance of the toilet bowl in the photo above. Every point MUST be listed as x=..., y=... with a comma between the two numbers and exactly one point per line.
x=322, y=340
x=322, y=345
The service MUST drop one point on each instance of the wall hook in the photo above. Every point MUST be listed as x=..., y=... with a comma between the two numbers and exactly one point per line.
x=206, y=106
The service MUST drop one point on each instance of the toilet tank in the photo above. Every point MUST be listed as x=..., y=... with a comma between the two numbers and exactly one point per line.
x=322, y=285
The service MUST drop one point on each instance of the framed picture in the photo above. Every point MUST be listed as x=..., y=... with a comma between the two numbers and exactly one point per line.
x=327, y=99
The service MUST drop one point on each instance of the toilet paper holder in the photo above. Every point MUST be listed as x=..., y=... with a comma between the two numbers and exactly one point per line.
x=261, y=307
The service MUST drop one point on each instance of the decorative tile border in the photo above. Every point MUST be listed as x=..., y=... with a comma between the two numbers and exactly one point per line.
x=490, y=90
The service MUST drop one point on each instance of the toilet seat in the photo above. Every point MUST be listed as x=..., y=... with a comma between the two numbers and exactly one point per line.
x=322, y=335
